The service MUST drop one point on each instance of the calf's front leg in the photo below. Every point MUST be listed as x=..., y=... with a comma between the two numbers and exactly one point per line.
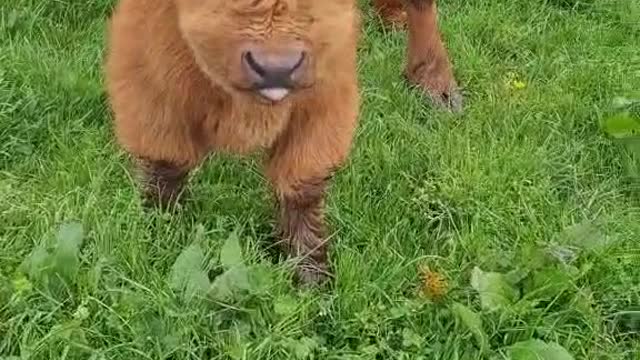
x=300, y=166
x=302, y=227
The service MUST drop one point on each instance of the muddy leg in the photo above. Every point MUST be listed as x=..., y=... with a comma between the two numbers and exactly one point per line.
x=161, y=181
x=302, y=229
x=316, y=143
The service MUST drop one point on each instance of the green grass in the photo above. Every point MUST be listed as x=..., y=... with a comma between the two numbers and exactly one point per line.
x=525, y=184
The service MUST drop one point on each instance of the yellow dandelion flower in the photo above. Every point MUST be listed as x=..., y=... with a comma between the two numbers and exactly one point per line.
x=518, y=84
x=434, y=285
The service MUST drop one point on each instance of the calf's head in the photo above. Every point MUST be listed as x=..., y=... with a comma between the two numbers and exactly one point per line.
x=269, y=49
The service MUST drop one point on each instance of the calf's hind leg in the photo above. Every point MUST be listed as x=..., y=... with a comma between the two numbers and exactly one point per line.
x=428, y=64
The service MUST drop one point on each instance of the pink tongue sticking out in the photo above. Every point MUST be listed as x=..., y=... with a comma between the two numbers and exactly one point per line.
x=274, y=94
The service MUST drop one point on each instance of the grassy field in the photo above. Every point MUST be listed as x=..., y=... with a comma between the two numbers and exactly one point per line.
x=509, y=231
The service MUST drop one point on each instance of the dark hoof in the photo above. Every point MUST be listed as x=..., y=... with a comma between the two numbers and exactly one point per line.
x=312, y=274
x=450, y=99
x=166, y=201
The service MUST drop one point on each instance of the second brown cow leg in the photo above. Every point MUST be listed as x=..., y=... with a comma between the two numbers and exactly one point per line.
x=428, y=64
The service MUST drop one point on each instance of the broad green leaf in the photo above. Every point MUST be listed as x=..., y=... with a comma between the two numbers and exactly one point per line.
x=171, y=341
x=12, y=21
x=68, y=244
x=622, y=125
x=36, y=264
x=302, y=348
x=285, y=305
x=538, y=350
x=585, y=235
x=494, y=289
x=82, y=313
x=187, y=275
x=628, y=321
x=199, y=235
x=239, y=275
x=230, y=282
x=564, y=254
x=550, y=282
x=70, y=237
x=197, y=284
x=411, y=339
x=517, y=275
x=472, y=321
x=96, y=272
x=235, y=350
x=620, y=103
x=231, y=252
x=22, y=285
x=69, y=331
x=221, y=289
x=261, y=279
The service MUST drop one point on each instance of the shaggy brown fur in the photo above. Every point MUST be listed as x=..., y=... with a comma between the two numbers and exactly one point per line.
x=187, y=78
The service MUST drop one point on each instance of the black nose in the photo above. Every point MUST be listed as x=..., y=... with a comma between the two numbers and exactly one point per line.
x=268, y=70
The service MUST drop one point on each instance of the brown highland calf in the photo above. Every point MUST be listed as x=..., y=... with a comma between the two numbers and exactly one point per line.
x=187, y=78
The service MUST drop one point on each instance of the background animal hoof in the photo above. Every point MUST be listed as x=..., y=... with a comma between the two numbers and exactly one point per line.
x=451, y=99
x=312, y=274
x=442, y=94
